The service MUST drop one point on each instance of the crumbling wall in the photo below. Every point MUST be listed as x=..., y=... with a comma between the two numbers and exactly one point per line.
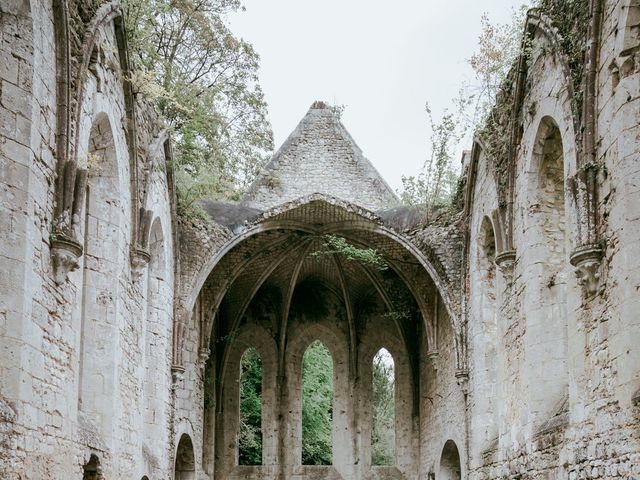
x=443, y=414
x=592, y=431
x=41, y=332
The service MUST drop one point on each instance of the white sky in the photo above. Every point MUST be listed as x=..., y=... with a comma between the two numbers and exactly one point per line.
x=382, y=59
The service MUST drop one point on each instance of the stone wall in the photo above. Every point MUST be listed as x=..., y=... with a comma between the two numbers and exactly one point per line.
x=332, y=163
x=114, y=345
x=75, y=349
x=550, y=333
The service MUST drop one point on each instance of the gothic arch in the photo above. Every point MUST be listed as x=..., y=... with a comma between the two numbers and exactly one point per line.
x=156, y=333
x=185, y=463
x=367, y=226
x=337, y=344
x=69, y=114
x=228, y=395
x=450, y=465
x=374, y=339
x=487, y=302
x=486, y=249
x=546, y=299
x=536, y=23
x=102, y=236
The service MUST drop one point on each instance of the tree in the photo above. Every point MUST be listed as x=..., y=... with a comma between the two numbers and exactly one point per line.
x=205, y=83
x=437, y=180
x=499, y=46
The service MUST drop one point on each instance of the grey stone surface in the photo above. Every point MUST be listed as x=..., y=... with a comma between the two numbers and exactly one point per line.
x=507, y=365
x=332, y=164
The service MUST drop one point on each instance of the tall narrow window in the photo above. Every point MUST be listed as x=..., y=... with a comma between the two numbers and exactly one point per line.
x=103, y=238
x=156, y=339
x=250, y=441
x=317, y=405
x=383, y=428
x=546, y=300
x=487, y=418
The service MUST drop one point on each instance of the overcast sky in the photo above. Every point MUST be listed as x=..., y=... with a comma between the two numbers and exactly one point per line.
x=381, y=59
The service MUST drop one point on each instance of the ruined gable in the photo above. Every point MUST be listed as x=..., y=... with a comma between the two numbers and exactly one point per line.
x=320, y=157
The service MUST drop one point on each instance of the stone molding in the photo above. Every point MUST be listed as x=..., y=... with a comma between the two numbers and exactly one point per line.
x=506, y=261
x=65, y=254
x=587, y=260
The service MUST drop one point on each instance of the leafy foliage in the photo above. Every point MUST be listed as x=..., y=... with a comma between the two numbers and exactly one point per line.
x=383, y=432
x=250, y=441
x=205, y=83
x=317, y=405
x=571, y=18
x=334, y=244
x=436, y=182
x=498, y=48
x=338, y=110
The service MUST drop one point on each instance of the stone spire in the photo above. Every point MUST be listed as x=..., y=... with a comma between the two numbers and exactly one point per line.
x=320, y=157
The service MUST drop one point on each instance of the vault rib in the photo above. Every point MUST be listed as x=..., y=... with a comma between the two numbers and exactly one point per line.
x=254, y=289
x=286, y=306
x=349, y=310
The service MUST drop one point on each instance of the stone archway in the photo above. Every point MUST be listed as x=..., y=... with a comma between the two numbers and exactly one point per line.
x=324, y=266
x=450, y=467
x=185, y=466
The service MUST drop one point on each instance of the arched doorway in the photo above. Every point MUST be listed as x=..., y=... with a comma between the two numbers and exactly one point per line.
x=185, y=467
x=450, y=468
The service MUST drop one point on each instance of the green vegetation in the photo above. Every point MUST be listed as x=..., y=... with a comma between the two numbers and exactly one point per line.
x=336, y=245
x=383, y=432
x=317, y=405
x=572, y=19
x=204, y=81
x=250, y=441
x=317, y=408
x=438, y=183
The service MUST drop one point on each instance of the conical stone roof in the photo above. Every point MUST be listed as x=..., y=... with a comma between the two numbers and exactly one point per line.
x=320, y=157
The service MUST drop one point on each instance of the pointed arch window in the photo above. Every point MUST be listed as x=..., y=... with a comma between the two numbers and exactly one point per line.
x=250, y=434
x=383, y=425
x=547, y=323
x=185, y=466
x=450, y=466
x=102, y=239
x=317, y=405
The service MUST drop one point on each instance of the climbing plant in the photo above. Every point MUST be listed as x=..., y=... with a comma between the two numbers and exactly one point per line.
x=336, y=245
x=438, y=183
x=437, y=180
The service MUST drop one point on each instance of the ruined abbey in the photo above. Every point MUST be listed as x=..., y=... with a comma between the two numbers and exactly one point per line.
x=513, y=318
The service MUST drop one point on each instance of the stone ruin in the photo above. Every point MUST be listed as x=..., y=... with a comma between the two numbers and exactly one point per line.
x=513, y=320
